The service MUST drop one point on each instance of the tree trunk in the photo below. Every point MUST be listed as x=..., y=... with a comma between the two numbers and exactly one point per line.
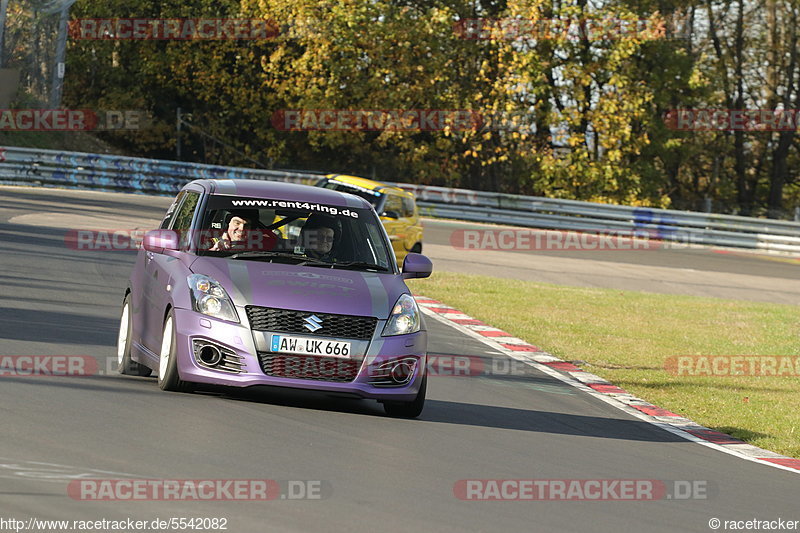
x=777, y=178
x=745, y=193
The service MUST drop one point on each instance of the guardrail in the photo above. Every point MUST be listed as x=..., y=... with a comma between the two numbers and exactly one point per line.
x=24, y=166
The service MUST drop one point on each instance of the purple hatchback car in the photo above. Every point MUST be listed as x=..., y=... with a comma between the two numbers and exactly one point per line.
x=266, y=283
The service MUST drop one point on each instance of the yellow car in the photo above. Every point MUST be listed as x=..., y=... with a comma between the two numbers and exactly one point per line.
x=396, y=207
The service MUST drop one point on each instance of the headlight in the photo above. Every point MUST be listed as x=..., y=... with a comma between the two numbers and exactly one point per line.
x=209, y=298
x=404, y=318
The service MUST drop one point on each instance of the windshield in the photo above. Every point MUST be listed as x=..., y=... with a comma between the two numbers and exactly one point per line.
x=311, y=234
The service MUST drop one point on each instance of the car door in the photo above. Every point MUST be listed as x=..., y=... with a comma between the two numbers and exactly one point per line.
x=162, y=272
x=141, y=295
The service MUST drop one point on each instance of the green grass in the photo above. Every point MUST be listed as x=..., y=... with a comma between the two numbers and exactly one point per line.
x=626, y=336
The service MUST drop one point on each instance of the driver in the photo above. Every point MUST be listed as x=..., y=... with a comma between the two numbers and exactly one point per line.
x=238, y=225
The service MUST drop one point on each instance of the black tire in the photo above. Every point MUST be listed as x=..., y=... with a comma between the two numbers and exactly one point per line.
x=168, y=376
x=417, y=248
x=410, y=409
x=126, y=365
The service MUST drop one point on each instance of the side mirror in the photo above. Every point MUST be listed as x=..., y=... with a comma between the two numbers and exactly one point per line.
x=391, y=214
x=158, y=240
x=416, y=266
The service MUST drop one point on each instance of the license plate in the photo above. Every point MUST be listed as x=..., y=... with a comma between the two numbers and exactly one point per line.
x=307, y=346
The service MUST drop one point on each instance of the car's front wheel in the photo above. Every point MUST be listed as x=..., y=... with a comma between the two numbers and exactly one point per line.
x=410, y=409
x=168, y=377
x=126, y=365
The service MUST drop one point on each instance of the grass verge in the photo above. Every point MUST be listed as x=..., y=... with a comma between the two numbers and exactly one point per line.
x=626, y=337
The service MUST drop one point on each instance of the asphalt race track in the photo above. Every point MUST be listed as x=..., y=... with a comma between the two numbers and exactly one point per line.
x=377, y=473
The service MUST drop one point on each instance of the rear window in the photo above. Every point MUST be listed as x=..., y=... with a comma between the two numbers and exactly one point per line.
x=373, y=197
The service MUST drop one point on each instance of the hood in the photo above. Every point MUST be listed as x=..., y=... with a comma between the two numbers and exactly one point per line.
x=303, y=288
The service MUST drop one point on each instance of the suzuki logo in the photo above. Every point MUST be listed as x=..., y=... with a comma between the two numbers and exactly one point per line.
x=312, y=323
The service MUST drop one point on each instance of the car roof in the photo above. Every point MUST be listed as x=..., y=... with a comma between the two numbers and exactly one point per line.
x=278, y=190
x=369, y=184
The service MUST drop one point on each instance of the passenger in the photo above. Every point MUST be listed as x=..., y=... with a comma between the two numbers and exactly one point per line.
x=319, y=237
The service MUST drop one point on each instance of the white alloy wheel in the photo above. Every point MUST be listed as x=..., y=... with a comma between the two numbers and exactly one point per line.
x=166, y=348
x=122, y=339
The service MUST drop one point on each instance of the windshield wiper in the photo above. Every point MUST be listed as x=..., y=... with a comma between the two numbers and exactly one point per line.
x=282, y=255
x=301, y=260
x=263, y=253
x=361, y=264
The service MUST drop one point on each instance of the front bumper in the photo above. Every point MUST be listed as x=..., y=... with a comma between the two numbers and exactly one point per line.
x=238, y=340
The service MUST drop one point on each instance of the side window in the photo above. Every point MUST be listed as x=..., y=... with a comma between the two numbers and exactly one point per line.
x=183, y=218
x=171, y=211
x=393, y=206
x=408, y=207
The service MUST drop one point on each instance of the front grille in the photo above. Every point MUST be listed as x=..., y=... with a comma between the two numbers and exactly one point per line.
x=288, y=321
x=309, y=367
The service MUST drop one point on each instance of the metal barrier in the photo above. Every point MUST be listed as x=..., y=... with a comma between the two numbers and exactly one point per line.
x=24, y=166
